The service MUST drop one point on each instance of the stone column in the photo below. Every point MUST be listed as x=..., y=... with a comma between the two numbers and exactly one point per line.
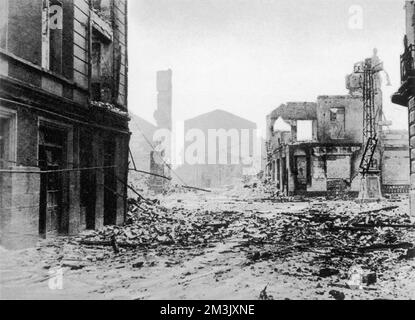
x=98, y=154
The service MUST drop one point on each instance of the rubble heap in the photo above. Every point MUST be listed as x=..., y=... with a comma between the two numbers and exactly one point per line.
x=260, y=191
x=149, y=225
x=332, y=237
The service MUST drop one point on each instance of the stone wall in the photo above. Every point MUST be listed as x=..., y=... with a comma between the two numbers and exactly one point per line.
x=395, y=164
x=353, y=118
x=19, y=208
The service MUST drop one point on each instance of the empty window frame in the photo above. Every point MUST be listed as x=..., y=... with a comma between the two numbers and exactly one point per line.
x=337, y=123
x=7, y=137
x=102, y=81
x=304, y=130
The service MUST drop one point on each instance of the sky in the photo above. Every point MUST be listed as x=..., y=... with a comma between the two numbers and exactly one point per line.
x=250, y=56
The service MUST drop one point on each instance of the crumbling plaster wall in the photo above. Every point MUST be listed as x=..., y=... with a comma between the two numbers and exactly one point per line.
x=353, y=117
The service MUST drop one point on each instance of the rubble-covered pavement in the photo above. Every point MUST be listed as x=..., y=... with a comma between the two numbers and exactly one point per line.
x=242, y=243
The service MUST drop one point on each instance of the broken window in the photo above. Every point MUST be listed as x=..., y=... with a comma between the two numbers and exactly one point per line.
x=7, y=138
x=96, y=4
x=281, y=125
x=96, y=59
x=52, y=25
x=103, y=7
x=305, y=130
x=101, y=73
x=337, y=123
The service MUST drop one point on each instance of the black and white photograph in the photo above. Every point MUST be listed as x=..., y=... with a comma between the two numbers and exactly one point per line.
x=207, y=150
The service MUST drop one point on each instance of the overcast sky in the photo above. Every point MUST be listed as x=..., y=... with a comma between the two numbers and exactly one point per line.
x=249, y=56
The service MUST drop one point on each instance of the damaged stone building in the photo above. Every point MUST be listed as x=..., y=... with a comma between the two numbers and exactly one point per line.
x=320, y=149
x=64, y=119
x=405, y=96
x=325, y=161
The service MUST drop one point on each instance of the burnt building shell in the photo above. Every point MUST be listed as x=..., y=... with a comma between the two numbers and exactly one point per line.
x=328, y=162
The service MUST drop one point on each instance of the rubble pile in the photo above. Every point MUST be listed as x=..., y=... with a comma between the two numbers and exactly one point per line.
x=334, y=237
x=260, y=191
x=150, y=225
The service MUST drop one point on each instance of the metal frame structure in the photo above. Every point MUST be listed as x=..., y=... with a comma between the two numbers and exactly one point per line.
x=370, y=137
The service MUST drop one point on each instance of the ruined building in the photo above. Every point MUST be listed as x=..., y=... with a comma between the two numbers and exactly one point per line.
x=325, y=161
x=406, y=93
x=64, y=119
x=321, y=148
x=218, y=147
x=159, y=157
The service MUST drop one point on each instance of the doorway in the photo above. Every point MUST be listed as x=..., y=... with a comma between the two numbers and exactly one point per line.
x=301, y=166
x=52, y=157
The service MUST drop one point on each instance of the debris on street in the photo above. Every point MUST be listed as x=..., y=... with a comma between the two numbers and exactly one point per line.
x=225, y=245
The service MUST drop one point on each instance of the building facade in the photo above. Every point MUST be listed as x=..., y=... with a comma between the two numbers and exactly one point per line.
x=218, y=149
x=406, y=93
x=64, y=117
